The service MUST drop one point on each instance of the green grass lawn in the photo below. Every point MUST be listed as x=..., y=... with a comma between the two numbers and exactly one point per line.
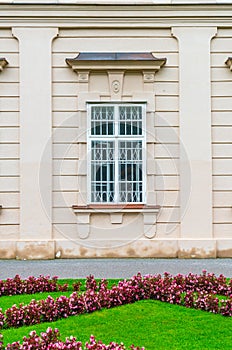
x=149, y=323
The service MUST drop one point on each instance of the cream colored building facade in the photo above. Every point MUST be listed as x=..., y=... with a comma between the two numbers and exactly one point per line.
x=115, y=129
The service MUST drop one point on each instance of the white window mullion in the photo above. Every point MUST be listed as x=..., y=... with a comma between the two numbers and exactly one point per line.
x=144, y=156
x=116, y=172
x=89, y=155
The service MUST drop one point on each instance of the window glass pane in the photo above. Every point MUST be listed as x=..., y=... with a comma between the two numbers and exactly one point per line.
x=102, y=120
x=130, y=120
x=130, y=171
x=102, y=171
x=116, y=157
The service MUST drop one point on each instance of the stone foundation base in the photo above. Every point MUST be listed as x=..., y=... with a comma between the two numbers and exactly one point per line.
x=118, y=249
x=197, y=249
x=142, y=248
x=27, y=250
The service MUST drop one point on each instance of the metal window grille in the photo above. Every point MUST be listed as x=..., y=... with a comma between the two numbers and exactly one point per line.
x=130, y=171
x=116, y=142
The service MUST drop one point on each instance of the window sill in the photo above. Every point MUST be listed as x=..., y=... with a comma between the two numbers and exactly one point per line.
x=115, y=208
x=116, y=213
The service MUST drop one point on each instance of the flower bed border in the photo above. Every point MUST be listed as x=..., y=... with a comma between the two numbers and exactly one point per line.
x=50, y=340
x=194, y=291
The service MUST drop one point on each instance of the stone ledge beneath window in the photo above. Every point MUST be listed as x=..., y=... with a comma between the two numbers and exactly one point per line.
x=116, y=213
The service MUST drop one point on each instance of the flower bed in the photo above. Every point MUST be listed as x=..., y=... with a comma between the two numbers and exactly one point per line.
x=192, y=291
x=31, y=285
x=195, y=291
x=51, y=341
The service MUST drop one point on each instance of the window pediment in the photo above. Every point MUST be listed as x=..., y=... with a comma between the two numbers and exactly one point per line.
x=104, y=61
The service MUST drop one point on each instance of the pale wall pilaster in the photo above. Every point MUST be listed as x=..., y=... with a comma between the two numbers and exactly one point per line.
x=195, y=131
x=35, y=133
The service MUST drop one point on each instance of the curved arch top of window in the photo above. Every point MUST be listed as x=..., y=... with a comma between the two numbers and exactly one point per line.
x=95, y=61
x=229, y=62
x=3, y=63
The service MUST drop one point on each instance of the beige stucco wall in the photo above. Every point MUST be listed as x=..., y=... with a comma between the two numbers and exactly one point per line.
x=222, y=134
x=43, y=129
x=9, y=143
x=69, y=137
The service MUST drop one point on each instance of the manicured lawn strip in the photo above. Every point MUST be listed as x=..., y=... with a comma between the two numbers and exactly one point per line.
x=8, y=301
x=148, y=323
x=70, y=282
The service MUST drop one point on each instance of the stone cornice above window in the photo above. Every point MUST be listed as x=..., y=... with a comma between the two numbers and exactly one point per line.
x=229, y=62
x=3, y=63
x=105, y=61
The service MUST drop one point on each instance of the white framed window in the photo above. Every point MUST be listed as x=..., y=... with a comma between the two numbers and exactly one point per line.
x=116, y=148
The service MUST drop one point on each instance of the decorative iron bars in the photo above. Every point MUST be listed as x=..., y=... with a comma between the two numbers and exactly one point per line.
x=117, y=147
